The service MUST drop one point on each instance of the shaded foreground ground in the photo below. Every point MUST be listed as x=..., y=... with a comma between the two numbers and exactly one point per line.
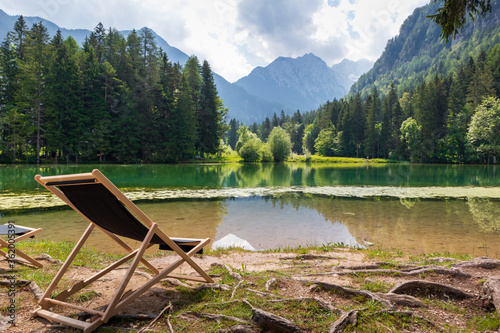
x=321, y=290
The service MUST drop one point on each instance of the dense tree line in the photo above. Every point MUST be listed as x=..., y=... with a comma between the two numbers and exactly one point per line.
x=115, y=99
x=454, y=119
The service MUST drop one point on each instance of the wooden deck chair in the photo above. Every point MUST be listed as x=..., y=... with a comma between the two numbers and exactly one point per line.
x=22, y=233
x=107, y=208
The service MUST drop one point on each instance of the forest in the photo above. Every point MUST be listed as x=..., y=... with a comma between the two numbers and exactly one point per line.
x=451, y=119
x=120, y=100
x=116, y=100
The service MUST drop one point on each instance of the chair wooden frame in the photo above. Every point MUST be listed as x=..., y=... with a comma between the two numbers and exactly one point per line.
x=120, y=299
x=31, y=233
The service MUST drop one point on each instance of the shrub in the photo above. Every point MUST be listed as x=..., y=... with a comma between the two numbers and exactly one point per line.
x=280, y=144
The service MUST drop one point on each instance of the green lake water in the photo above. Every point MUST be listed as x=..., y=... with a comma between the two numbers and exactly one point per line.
x=417, y=208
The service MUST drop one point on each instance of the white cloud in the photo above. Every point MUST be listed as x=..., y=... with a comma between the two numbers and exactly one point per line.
x=236, y=36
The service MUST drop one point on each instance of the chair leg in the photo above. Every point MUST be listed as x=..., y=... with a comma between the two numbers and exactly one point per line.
x=67, y=263
x=19, y=253
x=111, y=309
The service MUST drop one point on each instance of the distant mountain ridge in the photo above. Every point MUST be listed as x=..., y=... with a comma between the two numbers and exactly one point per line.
x=288, y=84
x=302, y=83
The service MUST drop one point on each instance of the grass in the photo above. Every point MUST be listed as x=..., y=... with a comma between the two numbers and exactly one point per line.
x=233, y=157
x=340, y=160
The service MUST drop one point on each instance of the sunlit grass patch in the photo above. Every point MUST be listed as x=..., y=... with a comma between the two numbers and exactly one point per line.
x=60, y=250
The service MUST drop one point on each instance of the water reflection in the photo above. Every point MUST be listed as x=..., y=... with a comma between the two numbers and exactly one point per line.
x=486, y=213
x=415, y=225
x=195, y=176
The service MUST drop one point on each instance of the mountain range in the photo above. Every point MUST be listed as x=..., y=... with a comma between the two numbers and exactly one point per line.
x=288, y=84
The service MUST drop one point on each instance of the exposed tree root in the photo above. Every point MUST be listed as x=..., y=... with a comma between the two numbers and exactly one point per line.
x=442, y=291
x=236, y=287
x=492, y=289
x=270, y=283
x=269, y=322
x=241, y=329
x=340, y=324
x=324, y=304
x=260, y=293
x=212, y=286
x=45, y=256
x=453, y=272
x=136, y=317
x=169, y=308
x=190, y=315
x=407, y=314
x=402, y=300
x=481, y=262
x=234, y=275
x=349, y=292
x=308, y=257
x=35, y=290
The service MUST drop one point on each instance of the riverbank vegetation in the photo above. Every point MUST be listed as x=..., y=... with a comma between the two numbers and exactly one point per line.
x=327, y=288
x=438, y=122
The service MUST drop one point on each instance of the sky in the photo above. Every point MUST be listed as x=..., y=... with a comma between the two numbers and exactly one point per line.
x=235, y=36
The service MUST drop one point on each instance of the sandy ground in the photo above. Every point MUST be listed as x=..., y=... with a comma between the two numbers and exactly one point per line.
x=154, y=300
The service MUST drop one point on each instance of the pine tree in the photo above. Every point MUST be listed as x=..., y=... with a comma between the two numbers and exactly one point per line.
x=31, y=92
x=210, y=115
x=373, y=110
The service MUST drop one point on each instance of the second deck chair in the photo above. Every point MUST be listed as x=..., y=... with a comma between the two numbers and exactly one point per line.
x=107, y=208
x=22, y=233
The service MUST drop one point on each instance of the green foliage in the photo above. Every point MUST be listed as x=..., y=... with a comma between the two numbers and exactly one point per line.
x=327, y=142
x=453, y=15
x=411, y=135
x=280, y=144
x=115, y=99
x=484, y=129
x=251, y=150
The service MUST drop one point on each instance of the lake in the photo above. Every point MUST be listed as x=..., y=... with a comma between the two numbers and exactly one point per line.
x=415, y=208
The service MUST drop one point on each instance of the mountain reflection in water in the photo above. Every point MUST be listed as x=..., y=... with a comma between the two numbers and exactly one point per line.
x=469, y=225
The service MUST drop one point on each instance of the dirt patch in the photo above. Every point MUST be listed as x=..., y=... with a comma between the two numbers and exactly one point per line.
x=345, y=280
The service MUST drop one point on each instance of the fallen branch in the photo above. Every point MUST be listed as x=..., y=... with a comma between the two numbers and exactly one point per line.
x=270, y=322
x=439, y=290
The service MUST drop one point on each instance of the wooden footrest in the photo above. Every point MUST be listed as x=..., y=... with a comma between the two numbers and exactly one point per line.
x=63, y=320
